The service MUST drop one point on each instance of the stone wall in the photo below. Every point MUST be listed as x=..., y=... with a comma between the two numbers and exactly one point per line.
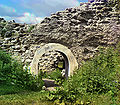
x=82, y=29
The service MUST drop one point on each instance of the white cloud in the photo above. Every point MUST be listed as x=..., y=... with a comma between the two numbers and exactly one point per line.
x=46, y=7
x=25, y=18
x=28, y=18
x=37, y=9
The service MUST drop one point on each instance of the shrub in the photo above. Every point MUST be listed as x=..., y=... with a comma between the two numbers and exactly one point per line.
x=11, y=72
x=5, y=64
x=100, y=75
x=55, y=75
x=24, y=79
x=9, y=89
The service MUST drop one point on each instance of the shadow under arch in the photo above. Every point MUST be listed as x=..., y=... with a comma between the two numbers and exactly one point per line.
x=70, y=61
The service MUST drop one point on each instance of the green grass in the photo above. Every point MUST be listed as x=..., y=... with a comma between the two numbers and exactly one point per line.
x=9, y=89
x=25, y=98
x=39, y=98
x=12, y=95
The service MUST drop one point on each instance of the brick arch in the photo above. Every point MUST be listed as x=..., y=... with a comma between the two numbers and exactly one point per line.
x=70, y=61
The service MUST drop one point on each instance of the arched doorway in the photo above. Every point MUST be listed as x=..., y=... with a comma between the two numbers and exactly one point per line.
x=70, y=61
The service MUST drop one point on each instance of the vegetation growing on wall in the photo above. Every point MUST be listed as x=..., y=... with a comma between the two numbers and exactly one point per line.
x=115, y=3
x=31, y=28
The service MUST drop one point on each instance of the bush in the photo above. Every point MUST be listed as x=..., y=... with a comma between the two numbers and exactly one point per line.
x=55, y=75
x=11, y=72
x=97, y=76
x=9, y=89
x=5, y=64
x=24, y=79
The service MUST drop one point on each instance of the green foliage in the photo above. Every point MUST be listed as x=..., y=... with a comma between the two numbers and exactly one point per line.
x=11, y=72
x=6, y=29
x=26, y=80
x=96, y=82
x=114, y=3
x=3, y=23
x=97, y=76
x=31, y=28
x=5, y=64
x=55, y=75
x=60, y=65
x=25, y=98
x=9, y=89
x=3, y=31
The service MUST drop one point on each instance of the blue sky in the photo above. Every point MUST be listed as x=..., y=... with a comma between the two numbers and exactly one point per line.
x=33, y=11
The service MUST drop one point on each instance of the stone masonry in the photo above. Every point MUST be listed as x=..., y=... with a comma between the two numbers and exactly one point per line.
x=82, y=29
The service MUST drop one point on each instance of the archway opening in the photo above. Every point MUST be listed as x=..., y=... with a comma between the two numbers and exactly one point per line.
x=69, y=59
x=52, y=60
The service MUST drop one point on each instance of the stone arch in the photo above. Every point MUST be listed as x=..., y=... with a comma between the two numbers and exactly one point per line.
x=70, y=61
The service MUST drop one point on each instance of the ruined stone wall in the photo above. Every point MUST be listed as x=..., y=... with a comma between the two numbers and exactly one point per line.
x=82, y=29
